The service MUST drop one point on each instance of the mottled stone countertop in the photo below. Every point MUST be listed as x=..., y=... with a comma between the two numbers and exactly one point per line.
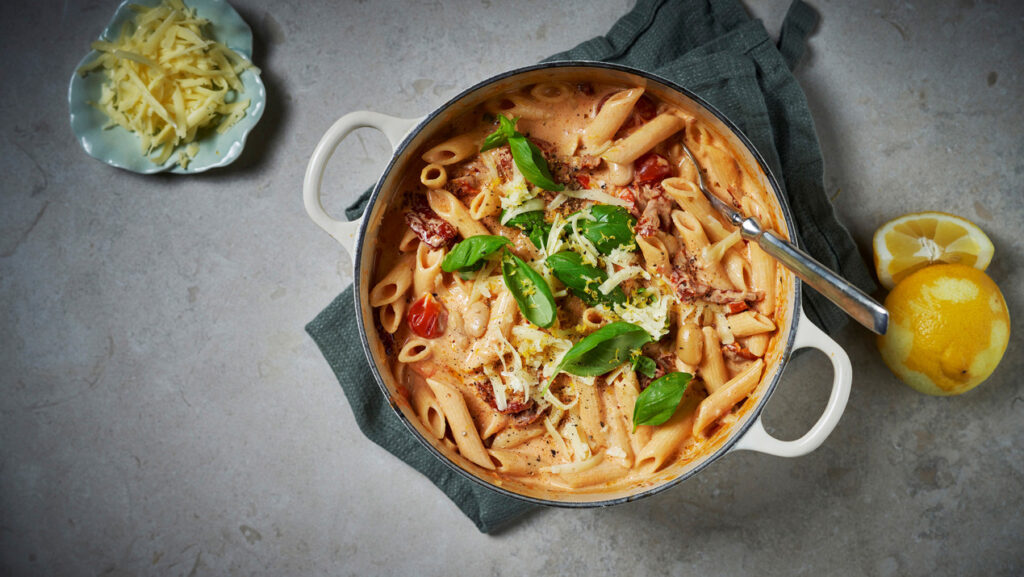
x=163, y=411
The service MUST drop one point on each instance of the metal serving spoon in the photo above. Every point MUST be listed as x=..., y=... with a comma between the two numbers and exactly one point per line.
x=851, y=299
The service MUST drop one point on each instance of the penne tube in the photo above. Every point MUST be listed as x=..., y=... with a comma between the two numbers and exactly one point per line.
x=656, y=255
x=668, y=438
x=722, y=170
x=690, y=343
x=489, y=421
x=427, y=269
x=511, y=437
x=453, y=150
x=644, y=138
x=414, y=350
x=712, y=365
x=467, y=438
x=551, y=92
x=485, y=203
x=737, y=268
x=409, y=241
x=619, y=424
x=610, y=118
x=691, y=199
x=605, y=471
x=517, y=106
x=511, y=462
x=394, y=284
x=591, y=415
x=450, y=209
x=697, y=246
x=749, y=323
x=391, y=315
x=433, y=176
x=725, y=398
x=427, y=408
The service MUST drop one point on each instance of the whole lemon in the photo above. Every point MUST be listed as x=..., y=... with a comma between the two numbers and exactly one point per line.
x=948, y=329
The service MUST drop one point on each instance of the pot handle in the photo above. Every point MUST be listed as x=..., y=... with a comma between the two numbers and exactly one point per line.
x=808, y=335
x=393, y=128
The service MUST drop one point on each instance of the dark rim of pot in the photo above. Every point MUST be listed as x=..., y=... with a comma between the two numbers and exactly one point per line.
x=736, y=435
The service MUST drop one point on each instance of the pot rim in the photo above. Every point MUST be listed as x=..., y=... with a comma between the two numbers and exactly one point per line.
x=773, y=182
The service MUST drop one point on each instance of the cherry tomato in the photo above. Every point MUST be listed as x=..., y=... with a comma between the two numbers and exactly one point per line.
x=645, y=108
x=427, y=316
x=651, y=168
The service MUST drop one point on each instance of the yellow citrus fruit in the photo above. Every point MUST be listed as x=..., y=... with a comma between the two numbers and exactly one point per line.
x=948, y=329
x=913, y=241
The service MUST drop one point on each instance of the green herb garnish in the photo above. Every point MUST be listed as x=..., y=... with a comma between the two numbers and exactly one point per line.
x=534, y=225
x=660, y=399
x=645, y=366
x=469, y=254
x=531, y=291
x=528, y=158
x=611, y=228
x=602, y=350
x=583, y=279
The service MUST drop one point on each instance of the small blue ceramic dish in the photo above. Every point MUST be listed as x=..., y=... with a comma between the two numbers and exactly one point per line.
x=119, y=147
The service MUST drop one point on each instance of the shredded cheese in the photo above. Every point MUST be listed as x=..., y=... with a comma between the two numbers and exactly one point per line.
x=528, y=206
x=617, y=278
x=166, y=82
x=595, y=195
x=575, y=467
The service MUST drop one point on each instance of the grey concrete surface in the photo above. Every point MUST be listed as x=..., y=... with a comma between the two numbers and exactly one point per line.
x=163, y=412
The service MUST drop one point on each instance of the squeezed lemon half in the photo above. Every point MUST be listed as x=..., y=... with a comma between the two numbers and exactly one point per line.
x=911, y=242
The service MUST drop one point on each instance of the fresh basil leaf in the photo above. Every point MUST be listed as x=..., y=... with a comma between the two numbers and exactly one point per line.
x=533, y=224
x=602, y=350
x=526, y=220
x=471, y=252
x=645, y=365
x=611, y=228
x=539, y=234
x=506, y=129
x=531, y=291
x=530, y=161
x=583, y=279
x=660, y=399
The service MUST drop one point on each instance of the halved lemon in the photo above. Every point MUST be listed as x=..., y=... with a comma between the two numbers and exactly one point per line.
x=913, y=241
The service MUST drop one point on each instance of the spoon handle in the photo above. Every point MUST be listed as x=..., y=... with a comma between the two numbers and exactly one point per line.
x=855, y=302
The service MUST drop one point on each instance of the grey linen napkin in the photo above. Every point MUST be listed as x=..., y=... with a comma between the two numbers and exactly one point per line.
x=716, y=50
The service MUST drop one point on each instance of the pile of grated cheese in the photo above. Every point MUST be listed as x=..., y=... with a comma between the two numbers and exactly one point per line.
x=166, y=82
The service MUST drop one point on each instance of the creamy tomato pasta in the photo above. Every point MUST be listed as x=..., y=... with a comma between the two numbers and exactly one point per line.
x=561, y=305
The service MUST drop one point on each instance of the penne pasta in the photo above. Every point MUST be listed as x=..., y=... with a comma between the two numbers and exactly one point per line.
x=712, y=365
x=394, y=284
x=452, y=150
x=481, y=378
x=450, y=209
x=433, y=176
x=725, y=398
x=467, y=439
x=610, y=118
x=427, y=269
x=644, y=139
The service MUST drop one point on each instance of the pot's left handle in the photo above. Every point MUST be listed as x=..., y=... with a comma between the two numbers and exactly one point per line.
x=393, y=128
x=808, y=336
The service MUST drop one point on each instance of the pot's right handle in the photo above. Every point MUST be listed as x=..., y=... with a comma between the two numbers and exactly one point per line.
x=393, y=128
x=808, y=335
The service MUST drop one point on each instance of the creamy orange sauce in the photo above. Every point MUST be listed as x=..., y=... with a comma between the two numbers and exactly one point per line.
x=486, y=360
